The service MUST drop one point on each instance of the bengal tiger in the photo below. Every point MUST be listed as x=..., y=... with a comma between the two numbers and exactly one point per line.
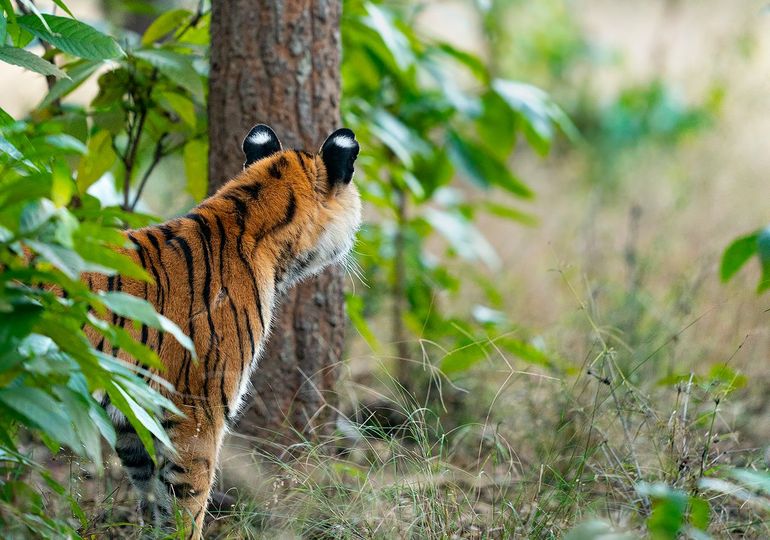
x=217, y=273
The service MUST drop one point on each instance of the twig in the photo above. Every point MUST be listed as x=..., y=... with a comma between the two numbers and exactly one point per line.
x=156, y=157
x=399, y=288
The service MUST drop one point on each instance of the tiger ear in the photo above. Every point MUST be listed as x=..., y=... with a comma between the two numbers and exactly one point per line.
x=338, y=153
x=260, y=143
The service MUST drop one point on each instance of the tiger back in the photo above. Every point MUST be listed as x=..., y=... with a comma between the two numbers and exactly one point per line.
x=217, y=273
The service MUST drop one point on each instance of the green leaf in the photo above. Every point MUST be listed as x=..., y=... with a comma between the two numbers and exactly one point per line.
x=700, y=513
x=64, y=7
x=177, y=67
x=40, y=410
x=540, y=113
x=475, y=64
x=483, y=168
x=668, y=510
x=97, y=161
x=76, y=408
x=125, y=404
x=3, y=28
x=147, y=421
x=179, y=105
x=166, y=23
x=73, y=37
x=381, y=21
x=35, y=215
x=30, y=5
x=763, y=250
x=102, y=421
x=66, y=260
x=196, y=168
x=355, y=308
x=5, y=119
x=510, y=213
x=399, y=138
x=67, y=143
x=27, y=60
x=77, y=74
x=9, y=149
x=135, y=308
x=8, y=9
x=122, y=339
x=737, y=254
x=109, y=258
x=466, y=240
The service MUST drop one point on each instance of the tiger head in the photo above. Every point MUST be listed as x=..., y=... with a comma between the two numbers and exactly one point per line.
x=305, y=208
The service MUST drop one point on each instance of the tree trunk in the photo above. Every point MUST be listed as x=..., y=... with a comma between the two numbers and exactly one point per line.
x=277, y=62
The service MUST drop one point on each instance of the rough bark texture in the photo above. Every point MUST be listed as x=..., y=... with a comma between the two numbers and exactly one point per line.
x=277, y=62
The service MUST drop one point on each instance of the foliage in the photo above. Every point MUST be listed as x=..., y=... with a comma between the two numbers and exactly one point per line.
x=52, y=230
x=427, y=112
x=742, y=250
x=620, y=124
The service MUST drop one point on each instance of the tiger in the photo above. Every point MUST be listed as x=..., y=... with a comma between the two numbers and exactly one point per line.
x=218, y=273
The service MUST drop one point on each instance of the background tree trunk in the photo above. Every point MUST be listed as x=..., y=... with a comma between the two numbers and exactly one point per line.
x=277, y=62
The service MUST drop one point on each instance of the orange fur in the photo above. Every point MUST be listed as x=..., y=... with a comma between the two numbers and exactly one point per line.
x=217, y=273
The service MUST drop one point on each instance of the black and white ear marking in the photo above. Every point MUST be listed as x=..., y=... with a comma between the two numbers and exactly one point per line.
x=260, y=143
x=338, y=153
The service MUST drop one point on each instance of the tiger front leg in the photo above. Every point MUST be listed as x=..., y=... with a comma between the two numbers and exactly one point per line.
x=188, y=475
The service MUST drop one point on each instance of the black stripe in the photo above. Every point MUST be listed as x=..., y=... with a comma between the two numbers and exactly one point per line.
x=205, y=232
x=275, y=169
x=167, y=232
x=141, y=475
x=178, y=469
x=187, y=253
x=241, y=211
x=291, y=210
x=238, y=334
x=168, y=423
x=300, y=159
x=161, y=291
x=135, y=458
x=143, y=262
x=251, y=190
x=148, y=265
x=121, y=323
x=125, y=428
x=222, y=241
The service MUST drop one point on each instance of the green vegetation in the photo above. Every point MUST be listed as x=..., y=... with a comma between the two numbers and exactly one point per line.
x=620, y=395
x=51, y=230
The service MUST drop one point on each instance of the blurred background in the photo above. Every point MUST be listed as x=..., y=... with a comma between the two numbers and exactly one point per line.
x=540, y=337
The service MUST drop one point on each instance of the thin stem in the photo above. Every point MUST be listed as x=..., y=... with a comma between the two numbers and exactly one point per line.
x=130, y=159
x=156, y=157
x=399, y=289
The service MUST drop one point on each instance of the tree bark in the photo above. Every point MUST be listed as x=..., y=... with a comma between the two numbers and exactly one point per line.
x=277, y=62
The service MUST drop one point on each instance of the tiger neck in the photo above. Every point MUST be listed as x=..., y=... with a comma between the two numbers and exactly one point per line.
x=226, y=252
